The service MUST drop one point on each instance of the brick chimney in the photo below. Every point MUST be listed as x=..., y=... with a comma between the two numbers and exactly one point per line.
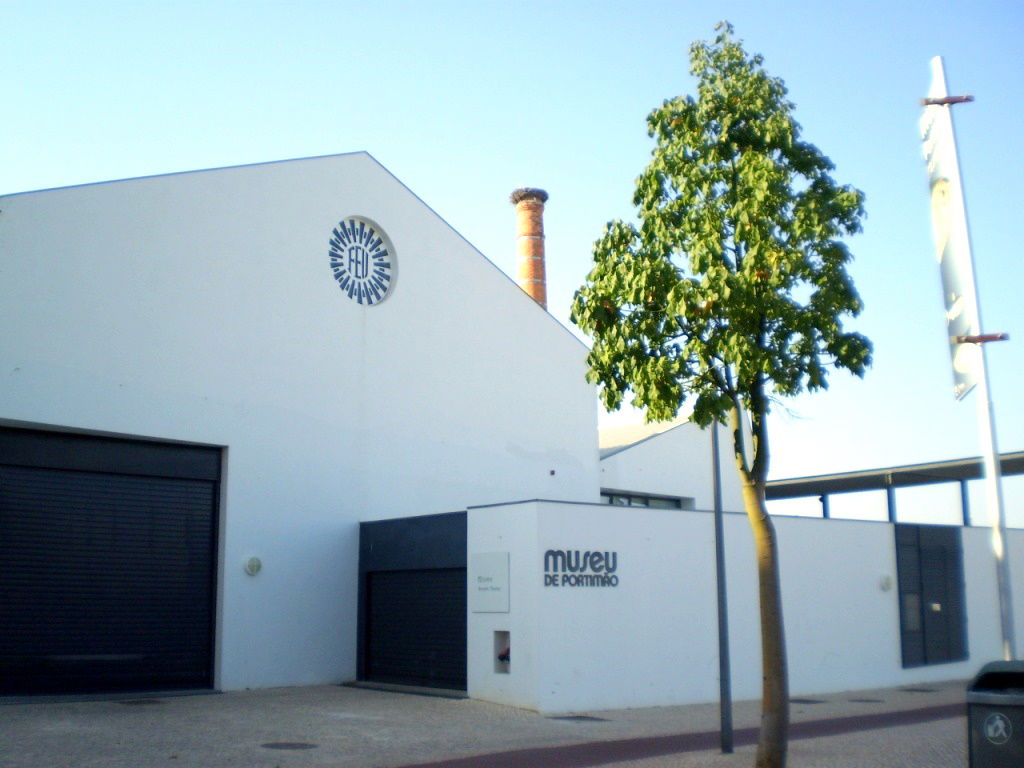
x=530, y=275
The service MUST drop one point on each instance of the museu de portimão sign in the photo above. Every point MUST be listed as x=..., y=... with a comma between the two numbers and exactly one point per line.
x=573, y=568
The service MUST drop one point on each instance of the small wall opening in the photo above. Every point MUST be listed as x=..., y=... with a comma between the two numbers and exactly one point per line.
x=502, y=652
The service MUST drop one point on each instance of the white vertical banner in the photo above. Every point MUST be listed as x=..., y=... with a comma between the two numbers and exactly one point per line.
x=953, y=250
x=949, y=231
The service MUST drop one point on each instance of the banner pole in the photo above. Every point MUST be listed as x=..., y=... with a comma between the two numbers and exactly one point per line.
x=996, y=509
x=951, y=233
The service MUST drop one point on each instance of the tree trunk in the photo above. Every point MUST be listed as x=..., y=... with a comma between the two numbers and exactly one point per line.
x=771, y=747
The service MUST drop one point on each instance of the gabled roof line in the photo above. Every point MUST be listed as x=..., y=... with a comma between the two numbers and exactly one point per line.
x=608, y=452
x=318, y=157
x=146, y=176
x=480, y=253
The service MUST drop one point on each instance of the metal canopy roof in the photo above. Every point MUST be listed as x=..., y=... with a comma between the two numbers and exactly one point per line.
x=891, y=477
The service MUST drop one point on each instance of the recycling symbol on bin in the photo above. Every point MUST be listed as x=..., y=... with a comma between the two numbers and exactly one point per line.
x=998, y=728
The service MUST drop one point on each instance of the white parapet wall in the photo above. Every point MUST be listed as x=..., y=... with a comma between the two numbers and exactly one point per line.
x=580, y=641
x=636, y=624
x=841, y=606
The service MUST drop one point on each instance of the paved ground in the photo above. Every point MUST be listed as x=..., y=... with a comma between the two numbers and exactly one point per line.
x=920, y=727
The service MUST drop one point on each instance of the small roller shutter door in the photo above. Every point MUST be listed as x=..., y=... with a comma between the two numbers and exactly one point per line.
x=416, y=627
x=106, y=564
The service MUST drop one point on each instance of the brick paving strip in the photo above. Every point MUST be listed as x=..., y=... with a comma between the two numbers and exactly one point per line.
x=595, y=753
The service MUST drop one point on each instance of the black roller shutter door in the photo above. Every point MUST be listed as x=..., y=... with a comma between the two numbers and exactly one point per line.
x=106, y=566
x=416, y=627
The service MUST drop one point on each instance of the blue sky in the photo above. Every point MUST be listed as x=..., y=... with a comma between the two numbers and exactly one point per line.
x=464, y=101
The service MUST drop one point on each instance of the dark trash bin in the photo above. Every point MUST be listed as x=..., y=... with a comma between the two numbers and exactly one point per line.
x=995, y=716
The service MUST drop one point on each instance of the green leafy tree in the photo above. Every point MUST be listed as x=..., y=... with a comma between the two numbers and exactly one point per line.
x=729, y=292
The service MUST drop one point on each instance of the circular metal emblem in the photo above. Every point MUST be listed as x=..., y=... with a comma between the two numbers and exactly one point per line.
x=997, y=728
x=362, y=260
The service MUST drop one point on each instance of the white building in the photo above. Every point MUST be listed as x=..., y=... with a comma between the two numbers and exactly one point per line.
x=203, y=310
x=280, y=424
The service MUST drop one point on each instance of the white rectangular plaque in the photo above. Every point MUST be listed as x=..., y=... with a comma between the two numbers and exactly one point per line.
x=488, y=582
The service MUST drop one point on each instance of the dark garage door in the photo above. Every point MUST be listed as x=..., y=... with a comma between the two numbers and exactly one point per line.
x=416, y=627
x=106, y=564
x=929, y=565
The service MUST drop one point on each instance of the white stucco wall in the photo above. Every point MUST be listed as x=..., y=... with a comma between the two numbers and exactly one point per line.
x=576, y=648
x=842, y=627
x=513, y=529
x=652, y=640
x=676, y=462
x=628, y=646
x=200, y=307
